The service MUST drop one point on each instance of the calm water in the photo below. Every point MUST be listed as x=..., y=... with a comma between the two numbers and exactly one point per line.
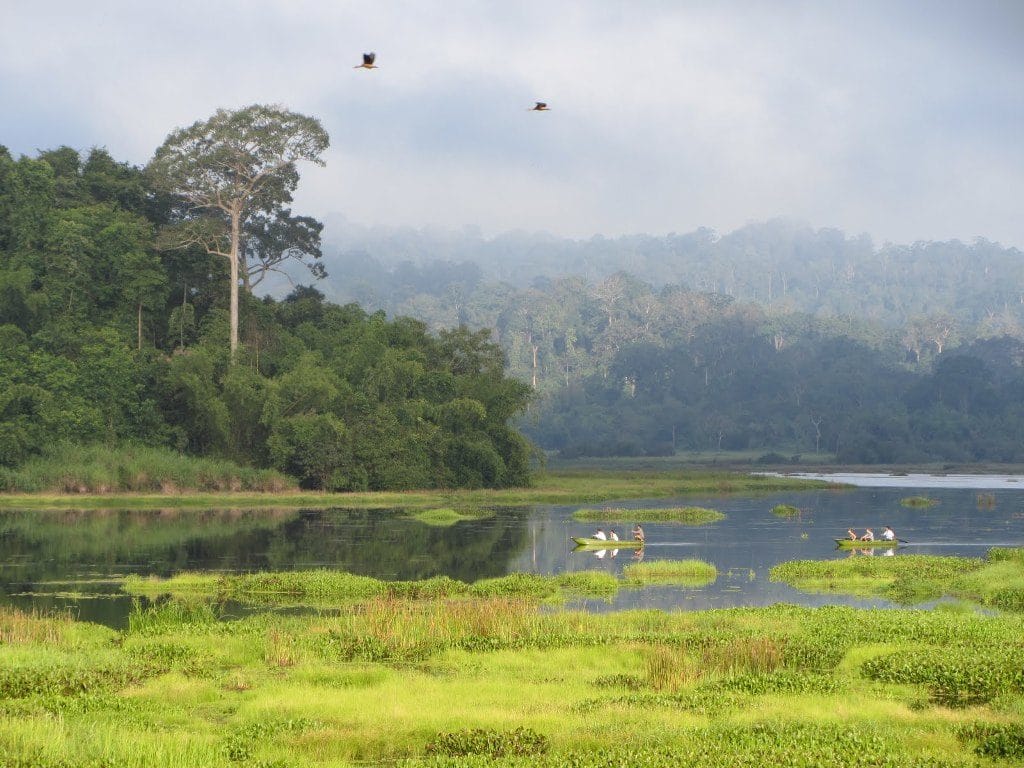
x=50, y=559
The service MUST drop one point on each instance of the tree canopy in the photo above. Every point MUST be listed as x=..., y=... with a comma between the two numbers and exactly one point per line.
x=234, y=174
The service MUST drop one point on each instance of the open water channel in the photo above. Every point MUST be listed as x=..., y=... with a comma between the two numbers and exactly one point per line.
x=74, y=559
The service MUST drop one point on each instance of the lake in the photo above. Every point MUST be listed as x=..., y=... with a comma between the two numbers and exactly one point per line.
x=74, y=559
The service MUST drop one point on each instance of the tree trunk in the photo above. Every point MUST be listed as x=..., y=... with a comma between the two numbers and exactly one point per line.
x=236, y=221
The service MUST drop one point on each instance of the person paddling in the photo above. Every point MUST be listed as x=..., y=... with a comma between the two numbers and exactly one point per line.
x=888, y=534
x=600, y=535
x=638, y=533
x=852, y=534
x=613, y=536
x=868, y=535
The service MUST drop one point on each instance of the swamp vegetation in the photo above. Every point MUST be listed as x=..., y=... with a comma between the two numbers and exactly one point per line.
x=442, y=673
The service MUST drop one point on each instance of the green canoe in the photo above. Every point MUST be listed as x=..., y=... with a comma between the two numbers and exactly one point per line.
x=851, y=544
x=602, y=544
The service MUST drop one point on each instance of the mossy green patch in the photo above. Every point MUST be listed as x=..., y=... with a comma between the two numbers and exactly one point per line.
x=690, y=573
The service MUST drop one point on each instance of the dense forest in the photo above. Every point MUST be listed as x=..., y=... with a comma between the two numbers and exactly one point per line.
x=896, y=354
x=421, y=359
x=116, y=318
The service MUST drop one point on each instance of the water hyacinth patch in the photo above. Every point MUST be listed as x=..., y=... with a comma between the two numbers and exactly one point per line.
x=682, y=515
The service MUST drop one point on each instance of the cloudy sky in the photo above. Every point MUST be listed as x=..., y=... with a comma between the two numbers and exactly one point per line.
x=900, y=119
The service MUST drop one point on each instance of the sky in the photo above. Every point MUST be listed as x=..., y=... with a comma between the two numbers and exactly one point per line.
x=902, y=120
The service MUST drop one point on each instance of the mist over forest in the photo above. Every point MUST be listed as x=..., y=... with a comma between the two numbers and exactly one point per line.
x=777, y=337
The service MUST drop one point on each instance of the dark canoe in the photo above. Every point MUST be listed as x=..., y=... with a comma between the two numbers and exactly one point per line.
x=851, y=544
x=602, y=544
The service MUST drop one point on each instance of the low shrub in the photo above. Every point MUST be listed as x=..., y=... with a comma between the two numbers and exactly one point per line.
x=519, y=742
x=957, y=676
x=999, y=741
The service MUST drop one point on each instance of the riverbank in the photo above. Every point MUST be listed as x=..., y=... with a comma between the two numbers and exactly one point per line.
x=554, y=487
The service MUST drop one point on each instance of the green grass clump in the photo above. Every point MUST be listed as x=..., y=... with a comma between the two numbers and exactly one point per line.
x=918, y=501
x=97, y=469
x=786, y=510
x=445, y=516
x=997, y=582
x=689, y=573
x=684, y=515
x=999, y=741
x=488, y=742
x=325, y=587
x=957, y=676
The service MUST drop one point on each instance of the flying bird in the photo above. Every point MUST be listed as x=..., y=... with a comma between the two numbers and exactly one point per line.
x=542, y=106
x=368, y=59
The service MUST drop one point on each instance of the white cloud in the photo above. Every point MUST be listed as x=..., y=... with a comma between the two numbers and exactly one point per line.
x=895, y=119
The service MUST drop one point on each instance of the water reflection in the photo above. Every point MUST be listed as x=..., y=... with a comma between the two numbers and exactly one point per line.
x=53, y=559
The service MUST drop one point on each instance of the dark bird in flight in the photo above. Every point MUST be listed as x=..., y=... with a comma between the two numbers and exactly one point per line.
x=542, y=106
x=368, y=59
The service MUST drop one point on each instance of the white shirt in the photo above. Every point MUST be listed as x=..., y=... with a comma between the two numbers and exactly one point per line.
x=600, y=535
x=888, y=535
x=613, y=536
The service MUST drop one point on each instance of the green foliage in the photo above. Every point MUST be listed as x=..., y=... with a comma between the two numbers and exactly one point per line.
x=478, y=741
x=684, y=515
x=999, y=741
x=918, y=501
x=957, y=676
x=904, y=579
x=691, y=573
x=110, y=334
x=786, y=510
x=68, y=468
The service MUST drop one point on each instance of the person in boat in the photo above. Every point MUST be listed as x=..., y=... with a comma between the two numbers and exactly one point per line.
x=888, y=534
x=613, y=536
x=638, y=533
x=852, y=534
x=868, y=535
x=600, y=535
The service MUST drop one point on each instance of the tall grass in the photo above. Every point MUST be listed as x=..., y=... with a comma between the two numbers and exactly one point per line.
x=97, y=469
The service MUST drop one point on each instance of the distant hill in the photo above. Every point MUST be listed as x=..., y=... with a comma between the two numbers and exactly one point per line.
x=779, y=264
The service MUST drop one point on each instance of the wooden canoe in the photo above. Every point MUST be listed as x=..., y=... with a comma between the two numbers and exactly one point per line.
x=851, y=544
x=602, y=544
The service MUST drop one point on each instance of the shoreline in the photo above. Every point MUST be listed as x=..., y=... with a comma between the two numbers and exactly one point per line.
x=559, y=487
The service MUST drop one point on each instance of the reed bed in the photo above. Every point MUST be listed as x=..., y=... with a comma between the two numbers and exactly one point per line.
x=99, y=469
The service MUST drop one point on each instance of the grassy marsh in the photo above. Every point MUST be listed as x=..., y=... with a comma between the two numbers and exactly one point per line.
x=325, y=587
x=797, y=686
x=996, y=581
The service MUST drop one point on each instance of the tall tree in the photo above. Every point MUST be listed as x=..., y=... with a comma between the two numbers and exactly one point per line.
x=239, y=166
